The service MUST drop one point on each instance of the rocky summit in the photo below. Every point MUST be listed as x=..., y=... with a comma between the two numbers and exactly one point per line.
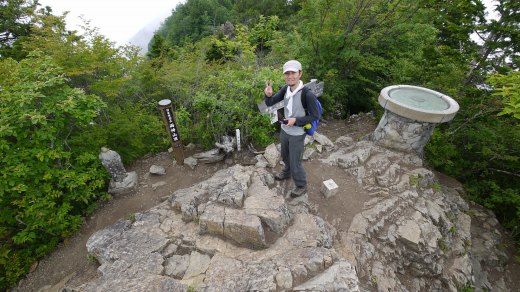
x=239, y=231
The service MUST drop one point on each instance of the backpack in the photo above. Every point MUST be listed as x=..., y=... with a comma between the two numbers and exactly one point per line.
x=311, y=127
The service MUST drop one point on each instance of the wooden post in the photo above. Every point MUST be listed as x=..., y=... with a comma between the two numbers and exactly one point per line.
x=168, y=115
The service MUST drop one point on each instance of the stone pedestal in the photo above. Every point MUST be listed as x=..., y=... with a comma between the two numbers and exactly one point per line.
x=122, y=181
x=400, y=133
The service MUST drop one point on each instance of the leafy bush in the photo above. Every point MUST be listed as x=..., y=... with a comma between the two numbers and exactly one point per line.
x=131, y=130
x=481, y=149
x=45, y=185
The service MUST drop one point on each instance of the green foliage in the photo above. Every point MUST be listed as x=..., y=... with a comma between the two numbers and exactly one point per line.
x=216, y=86
x=507, y=88
x=44, y=183
x=193, y=20
x=132, y=132
x=246, y=10
x=227, y=103
x=156, y=47
x=460, y=18
x=131, y=123
x=359, y=50
x=92, y=259
x=53, y=118
x=130, y=217
x=466, y=288
x=499, y=48
x=443, y=246
x=15, y=24
x=481, y=150
x=264, y=31
x=224, y=48
x=90, y=61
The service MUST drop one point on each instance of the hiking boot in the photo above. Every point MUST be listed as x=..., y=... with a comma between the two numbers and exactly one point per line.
x=282, y=176
x=298, y=192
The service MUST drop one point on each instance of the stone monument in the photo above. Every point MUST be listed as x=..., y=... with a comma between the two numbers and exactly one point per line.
x=122, y=181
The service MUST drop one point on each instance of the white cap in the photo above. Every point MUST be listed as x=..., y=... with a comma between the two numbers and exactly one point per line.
x=292, y=65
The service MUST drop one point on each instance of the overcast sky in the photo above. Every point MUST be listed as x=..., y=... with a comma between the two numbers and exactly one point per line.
x=118, y=20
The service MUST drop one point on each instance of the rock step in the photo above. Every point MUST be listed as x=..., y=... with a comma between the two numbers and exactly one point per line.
x=234, y=224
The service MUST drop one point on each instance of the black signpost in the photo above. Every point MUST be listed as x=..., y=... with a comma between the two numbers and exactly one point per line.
x=165, y=106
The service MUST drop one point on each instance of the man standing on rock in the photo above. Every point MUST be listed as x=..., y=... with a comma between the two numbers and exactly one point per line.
x=292, y=135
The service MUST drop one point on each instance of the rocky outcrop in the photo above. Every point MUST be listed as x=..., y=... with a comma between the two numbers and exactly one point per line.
x=237, y=232
x=414, y=234
x=211, y=236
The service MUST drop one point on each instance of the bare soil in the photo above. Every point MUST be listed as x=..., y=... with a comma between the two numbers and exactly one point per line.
x=69, y=265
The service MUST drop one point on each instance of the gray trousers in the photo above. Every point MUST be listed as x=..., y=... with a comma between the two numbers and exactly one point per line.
x=292, y=153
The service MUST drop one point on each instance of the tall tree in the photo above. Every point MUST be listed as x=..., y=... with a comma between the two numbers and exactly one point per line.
x=248, y=10
x=500, y=43
x=358, y=46
x=15, y=22
x=194, y=19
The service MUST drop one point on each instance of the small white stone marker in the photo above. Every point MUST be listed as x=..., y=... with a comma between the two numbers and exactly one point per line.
x=329, y=188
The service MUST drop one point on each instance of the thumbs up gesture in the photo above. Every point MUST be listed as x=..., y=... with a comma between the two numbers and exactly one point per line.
x=268, y=88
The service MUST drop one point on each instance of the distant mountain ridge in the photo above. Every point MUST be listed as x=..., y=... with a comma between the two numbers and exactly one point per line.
x=143, y=36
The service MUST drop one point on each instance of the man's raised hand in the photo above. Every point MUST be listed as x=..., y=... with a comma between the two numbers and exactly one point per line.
x=268, y=88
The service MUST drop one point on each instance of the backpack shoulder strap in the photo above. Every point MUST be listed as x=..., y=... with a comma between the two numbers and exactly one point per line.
x=304, y=97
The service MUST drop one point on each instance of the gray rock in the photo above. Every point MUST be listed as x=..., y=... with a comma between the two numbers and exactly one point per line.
x=227, y=144
x=211, y=156
x=144, y=282
x=212, y=220
x=318, y=232
x=228, y=186
x=244, y=228
x=308, y=140
x=261, y=161
x=344, y=140
x=98, y=243
x=309, y=153
x=191, y=162
x=403, y=134
x=190, y=146
x=409, y=236
x=121, y=182
x=284, y=278
x=157, y=170
x=272, y=155
x=158, y=184
x=268, y=206
x=127, y=185
x=341, y=276
x=170, y=250
x=322, y=139
x=176, y=266
x=198, y=265
x=113, y=164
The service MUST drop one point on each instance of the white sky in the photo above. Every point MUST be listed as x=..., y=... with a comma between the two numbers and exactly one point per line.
x=118, y=20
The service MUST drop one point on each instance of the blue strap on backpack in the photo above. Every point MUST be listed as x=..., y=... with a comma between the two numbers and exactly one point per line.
x=311, y=127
